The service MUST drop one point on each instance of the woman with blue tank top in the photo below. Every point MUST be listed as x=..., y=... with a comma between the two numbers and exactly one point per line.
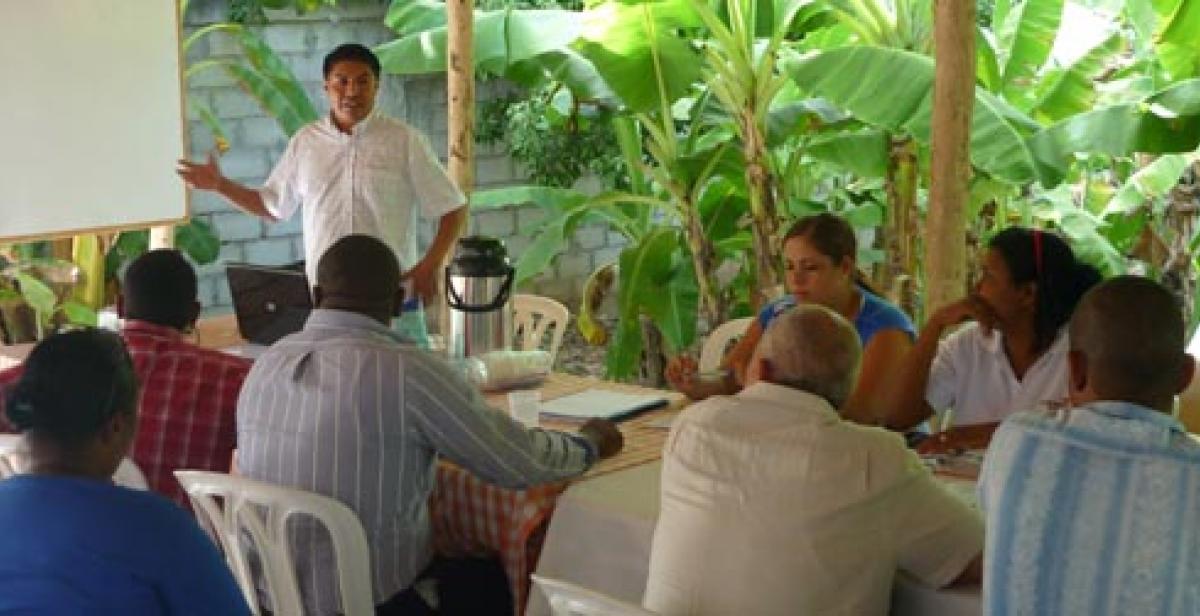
x=819, y=259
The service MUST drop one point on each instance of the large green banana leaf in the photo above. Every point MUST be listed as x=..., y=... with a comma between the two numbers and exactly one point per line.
x=1166, y=122
x=1064, y=92
x=655, y=280
x=1026, y=38
x=987, y=67
x=636, y=47
x=525, y=46
x=893, y=89
x=1149, y=182
x=1178, y=41
x=863, y=152
x=266, y=77
x=407, y=17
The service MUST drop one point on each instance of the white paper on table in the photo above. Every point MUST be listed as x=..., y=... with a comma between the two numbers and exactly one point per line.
x=601, y=403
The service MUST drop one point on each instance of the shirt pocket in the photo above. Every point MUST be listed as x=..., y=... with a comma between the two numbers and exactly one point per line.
x=383, y=183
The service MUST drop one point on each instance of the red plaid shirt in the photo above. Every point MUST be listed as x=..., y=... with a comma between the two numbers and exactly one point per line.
x=187, y=409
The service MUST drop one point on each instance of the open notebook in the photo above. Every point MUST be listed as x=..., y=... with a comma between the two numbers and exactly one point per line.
x=600, y=403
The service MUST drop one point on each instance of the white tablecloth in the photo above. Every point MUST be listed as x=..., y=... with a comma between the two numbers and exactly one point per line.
x=600, y=534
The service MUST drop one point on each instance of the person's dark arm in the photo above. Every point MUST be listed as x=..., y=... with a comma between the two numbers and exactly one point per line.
x=910, y=406
x=425, y=273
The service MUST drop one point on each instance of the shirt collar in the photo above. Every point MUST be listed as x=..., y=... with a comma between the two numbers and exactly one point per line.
x=1135, y=412
x=356, y=130
x=994, y=343
x=345, y=319
x=782, y=395
x=137, y=326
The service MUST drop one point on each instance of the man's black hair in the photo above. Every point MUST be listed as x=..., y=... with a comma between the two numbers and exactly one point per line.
x=160, y=287
x=352, y=52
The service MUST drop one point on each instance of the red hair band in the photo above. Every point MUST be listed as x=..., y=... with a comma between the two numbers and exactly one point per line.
x=1037, y=252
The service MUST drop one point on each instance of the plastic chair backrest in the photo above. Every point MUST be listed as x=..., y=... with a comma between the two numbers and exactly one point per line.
x=567, y=599
x=258, y=512
x=714, y=347
x=14, y=461
x=533, y=315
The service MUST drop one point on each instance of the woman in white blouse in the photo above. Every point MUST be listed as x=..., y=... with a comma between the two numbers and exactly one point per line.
x=1013, y=356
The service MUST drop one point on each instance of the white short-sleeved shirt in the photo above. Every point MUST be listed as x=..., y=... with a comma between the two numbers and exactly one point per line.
x=771, y=504
x=372, y=181
x=971, y=374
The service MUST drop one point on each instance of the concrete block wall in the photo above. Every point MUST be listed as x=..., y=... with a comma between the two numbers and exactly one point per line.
x=257, y=141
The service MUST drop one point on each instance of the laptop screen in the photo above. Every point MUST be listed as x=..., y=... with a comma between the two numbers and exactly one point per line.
x=269, y=302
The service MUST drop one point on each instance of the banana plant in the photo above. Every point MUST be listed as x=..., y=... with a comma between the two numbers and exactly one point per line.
x=743, y=76
x=263, y=76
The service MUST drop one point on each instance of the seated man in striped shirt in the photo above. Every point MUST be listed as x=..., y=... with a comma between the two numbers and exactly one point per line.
x=188, y=401
x=1091, y=510
x=344, y=408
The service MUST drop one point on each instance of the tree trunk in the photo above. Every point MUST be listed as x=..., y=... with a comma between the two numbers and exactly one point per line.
x=897, y=278
x=953, y=101
x=460, y=115
x=460, y=91
x=704, y=262
x=653, y=358
x=765, y=221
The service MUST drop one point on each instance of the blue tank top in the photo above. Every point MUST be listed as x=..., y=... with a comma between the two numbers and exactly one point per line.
x=876, y=315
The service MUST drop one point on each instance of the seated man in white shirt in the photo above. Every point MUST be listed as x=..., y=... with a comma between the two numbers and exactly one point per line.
x=1091, y=509
x=772, y=504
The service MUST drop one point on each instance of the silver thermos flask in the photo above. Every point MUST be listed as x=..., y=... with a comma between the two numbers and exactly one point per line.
x=478, y=287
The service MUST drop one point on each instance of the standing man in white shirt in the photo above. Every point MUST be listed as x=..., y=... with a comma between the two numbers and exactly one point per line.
x=353, y=171
x=772, y=504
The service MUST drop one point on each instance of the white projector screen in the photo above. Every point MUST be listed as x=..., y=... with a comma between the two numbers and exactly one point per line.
x=91, y=116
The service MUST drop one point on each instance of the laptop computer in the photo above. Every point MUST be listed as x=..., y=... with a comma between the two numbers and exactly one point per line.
x=269, y=302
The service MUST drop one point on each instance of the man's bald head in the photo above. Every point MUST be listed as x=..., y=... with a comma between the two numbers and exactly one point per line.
x=359, y=273
x=1127, y=343
x=813, y=349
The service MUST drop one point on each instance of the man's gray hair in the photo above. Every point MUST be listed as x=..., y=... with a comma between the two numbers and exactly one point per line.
x=813, y=349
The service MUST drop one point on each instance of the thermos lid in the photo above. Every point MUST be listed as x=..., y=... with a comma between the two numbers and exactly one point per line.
x=480, y=255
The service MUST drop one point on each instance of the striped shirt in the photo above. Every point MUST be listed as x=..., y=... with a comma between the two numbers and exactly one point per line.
x=341, y=408
x=1092, y=510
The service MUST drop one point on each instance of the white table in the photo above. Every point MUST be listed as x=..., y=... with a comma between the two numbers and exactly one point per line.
x=600, y=535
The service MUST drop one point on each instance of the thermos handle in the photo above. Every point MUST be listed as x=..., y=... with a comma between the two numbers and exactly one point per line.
x=456, y=301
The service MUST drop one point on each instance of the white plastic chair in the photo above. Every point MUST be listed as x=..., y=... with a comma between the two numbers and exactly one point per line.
x=258, y=512
x=14, y=459
x=715, y=346
x=533, y=315
x=567, y=599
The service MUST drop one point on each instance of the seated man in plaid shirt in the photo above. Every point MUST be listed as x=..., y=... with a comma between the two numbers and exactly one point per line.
x=188, y=400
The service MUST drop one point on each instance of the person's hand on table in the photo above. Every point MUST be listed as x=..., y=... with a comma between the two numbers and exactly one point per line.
x=959, y=438
x=682, y=372
x=604, y=435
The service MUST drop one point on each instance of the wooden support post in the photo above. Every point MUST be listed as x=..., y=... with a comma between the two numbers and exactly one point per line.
x=460, y=86
x=460, y=112
x=953, y=101
x=162, y=237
